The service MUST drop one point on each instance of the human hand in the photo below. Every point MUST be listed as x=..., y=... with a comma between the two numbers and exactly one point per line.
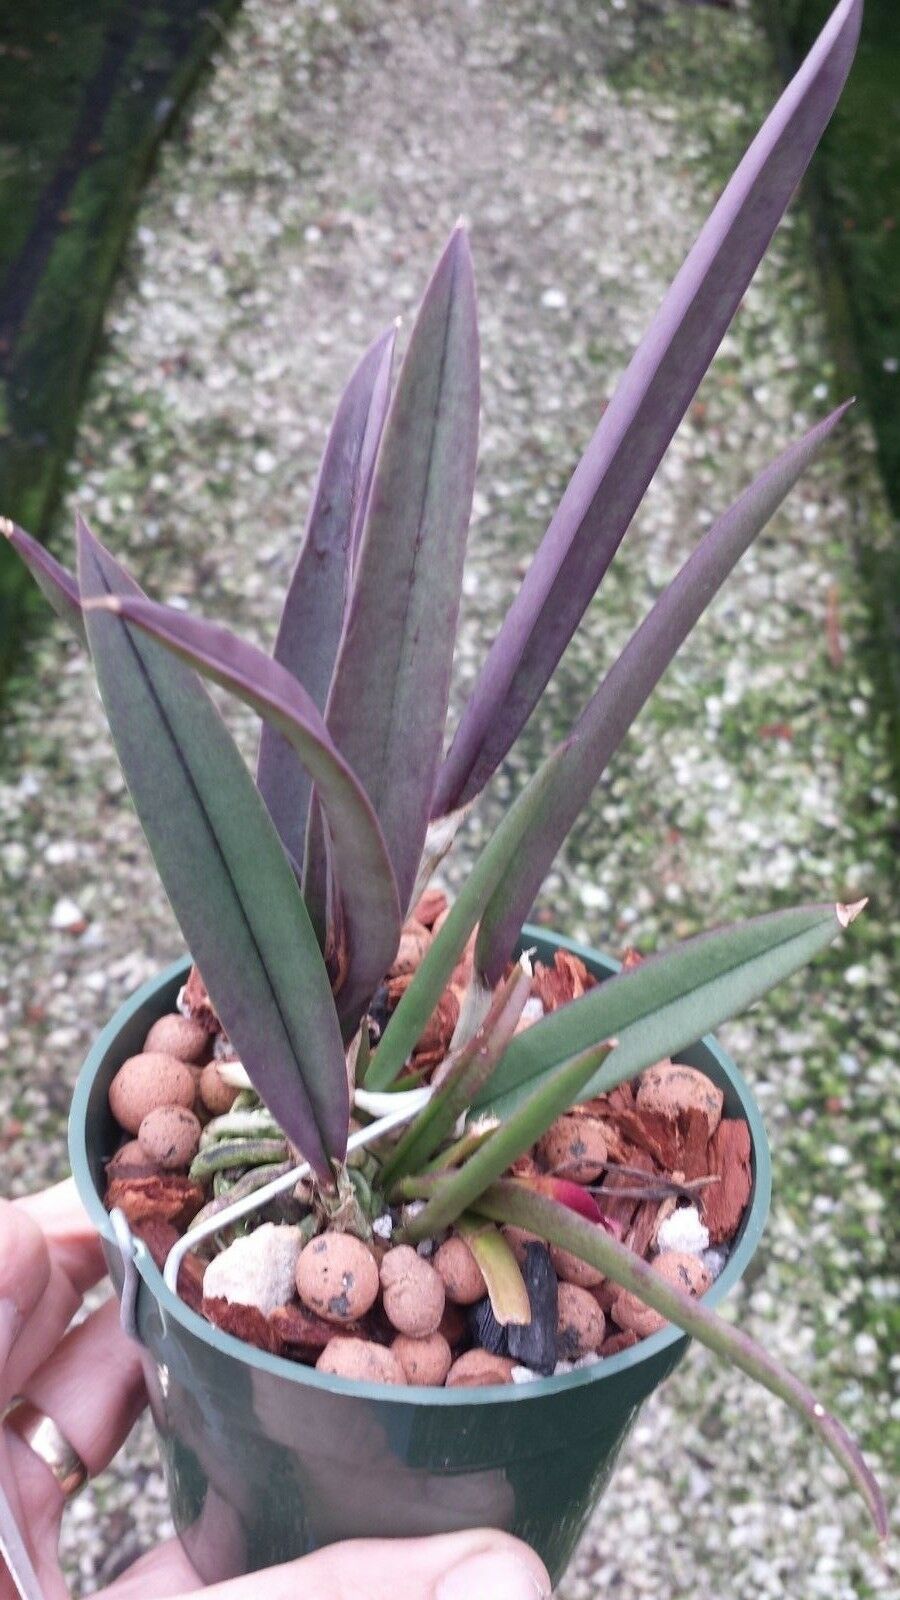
x=88, y=1379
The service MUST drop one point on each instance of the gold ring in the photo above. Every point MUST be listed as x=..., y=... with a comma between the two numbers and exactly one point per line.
x=48, y=1442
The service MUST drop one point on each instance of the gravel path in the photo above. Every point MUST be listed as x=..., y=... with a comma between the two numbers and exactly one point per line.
x=314, y=184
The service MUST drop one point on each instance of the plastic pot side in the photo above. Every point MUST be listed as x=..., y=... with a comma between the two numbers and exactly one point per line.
x=266, y=1459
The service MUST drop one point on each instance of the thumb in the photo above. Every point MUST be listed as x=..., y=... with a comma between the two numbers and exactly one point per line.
x=480, y=1565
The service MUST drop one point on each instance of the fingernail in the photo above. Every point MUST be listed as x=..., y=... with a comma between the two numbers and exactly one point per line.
x=491, y=1576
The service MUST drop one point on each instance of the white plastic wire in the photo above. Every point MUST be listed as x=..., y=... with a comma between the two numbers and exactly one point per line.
x=408, y=1105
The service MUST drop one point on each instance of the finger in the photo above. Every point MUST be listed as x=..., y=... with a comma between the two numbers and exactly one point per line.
x=24, y=1274
x=73, y=1240
x=163, y=1573
x=455, y=1566
x=92, y=1386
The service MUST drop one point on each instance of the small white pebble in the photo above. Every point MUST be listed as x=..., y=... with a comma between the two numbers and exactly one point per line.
x=68, y=917
x=524, y=1375
x=533, y=1009
x=257, y=1270
x=714, y=1262
x=561, y=1368
x=553, y=299
x=683, y=1231
x=425, y=1248
x=263, y=461
x=588, y=1360
x=412, y=1210
x=383, y=1227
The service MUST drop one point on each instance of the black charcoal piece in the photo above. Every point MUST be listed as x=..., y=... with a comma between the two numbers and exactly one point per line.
x=486, y=1330
x=534, y=1346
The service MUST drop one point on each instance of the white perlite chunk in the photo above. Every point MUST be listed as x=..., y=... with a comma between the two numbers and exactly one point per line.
x=258, y=1270
x=683, y=1231
x=714, y=1261
x=524, y=1375
x=383, y=1226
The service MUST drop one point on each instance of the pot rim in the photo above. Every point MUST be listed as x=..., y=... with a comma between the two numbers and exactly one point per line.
x=743, y=1248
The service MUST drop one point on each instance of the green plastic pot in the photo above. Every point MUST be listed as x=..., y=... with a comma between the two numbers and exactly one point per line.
x=266, y=1460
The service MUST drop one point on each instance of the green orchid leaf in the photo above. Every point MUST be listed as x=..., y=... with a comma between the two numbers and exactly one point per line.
x=668, y=1002
x=511, y=1203
x=223, y=868
x=387, y=704
x=448, y=1197
x=411, y=1017
x=467, y=1077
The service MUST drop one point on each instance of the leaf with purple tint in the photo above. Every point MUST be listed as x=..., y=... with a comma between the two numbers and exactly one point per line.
x=316, y=601
x=646, y=408
x=408, y=1022
x=223, y=868
x=466, y=1078
x=370, y=909
x=666, y=1003
x=57, y=585
x=388, y=700
x=515, y=1205
x=609, y=714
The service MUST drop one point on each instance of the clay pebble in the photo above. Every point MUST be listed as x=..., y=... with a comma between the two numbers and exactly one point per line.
x=170, y=1135
x=217, y=1095
x=671, y=1087
x=424, y=1361
x=337, y=1277
x=572, y=1269
x=346, y=1357
x=478, y=1368
x=412, y=1292
x=574, y=1148
x=179, y=1036
x=685, y=1272
x=580, y=1323
x=462, y=1277
x=145, y=1082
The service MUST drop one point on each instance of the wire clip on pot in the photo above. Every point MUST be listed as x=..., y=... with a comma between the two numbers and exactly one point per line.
x=396, y=1109
x=127, y=1247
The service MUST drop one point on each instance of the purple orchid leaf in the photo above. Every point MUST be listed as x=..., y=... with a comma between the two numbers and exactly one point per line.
x=316, y=601
x=610, y=712
x=388, y=701
x=643, y=414
x=362, y=869
x=57, y=585
x=223, y=868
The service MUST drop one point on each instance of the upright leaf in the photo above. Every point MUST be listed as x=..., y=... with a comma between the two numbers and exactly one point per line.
x=388, y=700
x=624, y=691
x=431, y=977
x=57, y=585
x=646, y=408
x=369, y=900
x=224, y=869
x=668, y=1002
x=466, y=1078
x=451, y=1193
x=316, y=601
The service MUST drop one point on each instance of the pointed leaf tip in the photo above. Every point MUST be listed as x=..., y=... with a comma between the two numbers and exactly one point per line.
x=849, y=913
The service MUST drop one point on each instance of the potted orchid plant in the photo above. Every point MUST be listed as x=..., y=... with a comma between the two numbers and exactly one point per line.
x=411, y=1205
